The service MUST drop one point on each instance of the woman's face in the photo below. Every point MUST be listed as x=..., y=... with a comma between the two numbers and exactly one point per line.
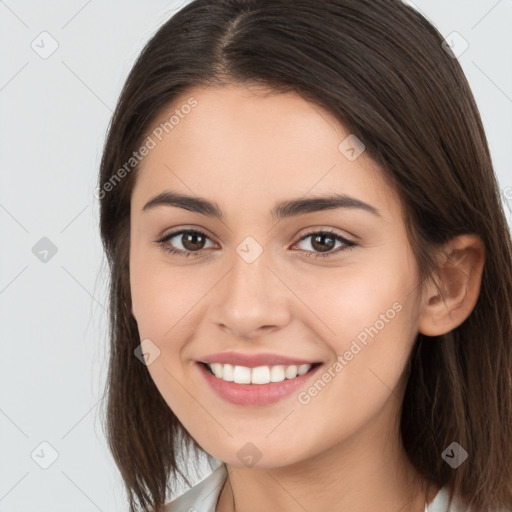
x=259, y=279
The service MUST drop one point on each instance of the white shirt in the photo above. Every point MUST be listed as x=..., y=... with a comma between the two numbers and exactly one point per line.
x=203, y=496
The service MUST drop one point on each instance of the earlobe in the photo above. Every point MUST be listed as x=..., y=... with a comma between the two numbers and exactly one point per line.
x=459, y=279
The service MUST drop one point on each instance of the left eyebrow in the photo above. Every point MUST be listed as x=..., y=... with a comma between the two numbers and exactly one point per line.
x=290, y=208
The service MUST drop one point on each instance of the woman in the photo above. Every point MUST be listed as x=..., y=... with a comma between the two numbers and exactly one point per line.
x=311, y=276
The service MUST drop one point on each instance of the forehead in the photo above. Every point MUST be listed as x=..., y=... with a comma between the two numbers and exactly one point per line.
x=266, y=144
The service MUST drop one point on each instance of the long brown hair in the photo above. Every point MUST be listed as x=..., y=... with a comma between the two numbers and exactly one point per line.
x=381, y=69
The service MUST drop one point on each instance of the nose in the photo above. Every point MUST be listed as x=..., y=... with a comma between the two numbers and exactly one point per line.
x=251, y=300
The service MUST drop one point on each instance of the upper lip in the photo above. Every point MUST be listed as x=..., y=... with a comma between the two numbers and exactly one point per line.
x=253, y=360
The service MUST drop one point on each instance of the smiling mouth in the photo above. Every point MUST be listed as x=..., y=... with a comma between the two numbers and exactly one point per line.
x=260, y=375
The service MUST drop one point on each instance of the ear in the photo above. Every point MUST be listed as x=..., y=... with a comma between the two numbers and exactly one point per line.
x=459, y=278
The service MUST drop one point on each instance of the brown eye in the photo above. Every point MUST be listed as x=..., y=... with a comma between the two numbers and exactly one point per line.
x=323, y=243
x=191, y=242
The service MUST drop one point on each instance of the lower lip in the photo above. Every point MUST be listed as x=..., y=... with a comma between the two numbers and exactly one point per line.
x=255, y=394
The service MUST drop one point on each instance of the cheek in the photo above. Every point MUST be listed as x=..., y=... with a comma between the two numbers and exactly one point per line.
x=373, y=335
x=367, y=310
x=355, y=296
x=165, y=304
x=168, y=301
x=371, y=316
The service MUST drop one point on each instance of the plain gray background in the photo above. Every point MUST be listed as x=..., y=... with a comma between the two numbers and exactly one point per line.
x=55, y=110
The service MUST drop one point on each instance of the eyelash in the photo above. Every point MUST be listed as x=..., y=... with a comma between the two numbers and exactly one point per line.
x=163, y=242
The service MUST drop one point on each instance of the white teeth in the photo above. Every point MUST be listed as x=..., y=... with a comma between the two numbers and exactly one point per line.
x=218, y=370
x=303, y=368
x=242, y=375
x=277, y=374
x=258, y=375
x=290, y=372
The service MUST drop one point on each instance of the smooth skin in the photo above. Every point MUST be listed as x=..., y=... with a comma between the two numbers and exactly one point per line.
x=246, y=149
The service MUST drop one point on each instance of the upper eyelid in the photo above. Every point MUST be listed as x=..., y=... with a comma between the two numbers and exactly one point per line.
x=183, y=231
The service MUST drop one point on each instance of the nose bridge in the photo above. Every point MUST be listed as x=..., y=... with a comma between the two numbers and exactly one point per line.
x=249, y=277
x=251, y=297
